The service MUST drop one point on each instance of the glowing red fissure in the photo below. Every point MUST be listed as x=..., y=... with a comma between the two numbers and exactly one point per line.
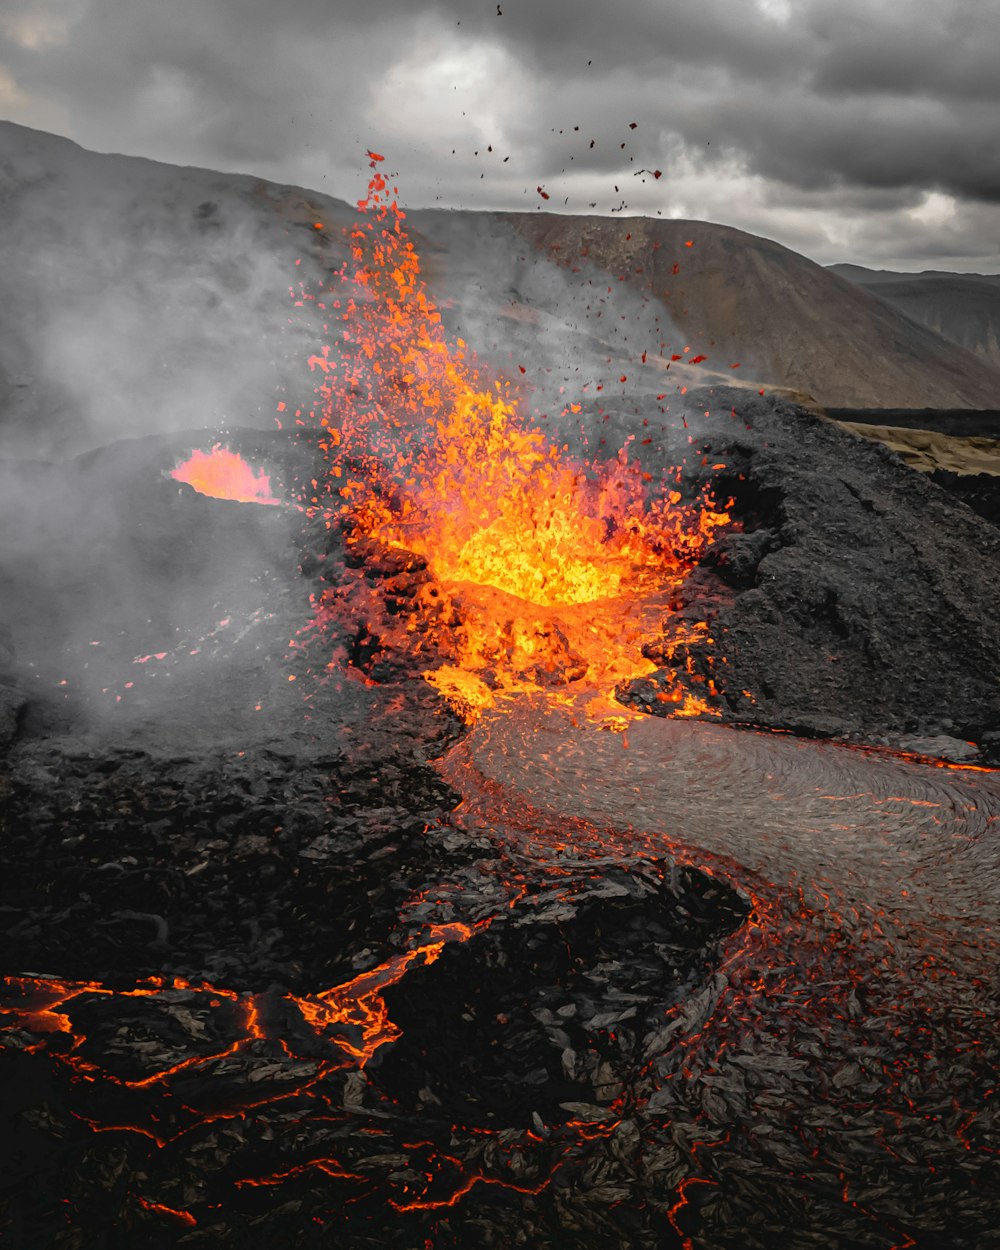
x=357, y=1002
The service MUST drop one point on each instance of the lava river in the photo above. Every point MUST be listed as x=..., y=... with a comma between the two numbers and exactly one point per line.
x=827, y=1079
x=844, y=1053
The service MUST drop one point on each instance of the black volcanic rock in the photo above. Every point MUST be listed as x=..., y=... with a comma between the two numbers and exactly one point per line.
x=12, y=704
x=12, y=701
x=864, y=599
x=954, y=422
x=978, y=491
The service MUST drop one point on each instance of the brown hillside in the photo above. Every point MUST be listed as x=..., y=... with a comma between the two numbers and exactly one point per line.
x=139, y=298
x=748, y=299
x=962, y=307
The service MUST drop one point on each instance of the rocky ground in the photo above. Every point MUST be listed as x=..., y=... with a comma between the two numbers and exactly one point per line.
x=553, y=991
x=837, y=1070
x=859, y=599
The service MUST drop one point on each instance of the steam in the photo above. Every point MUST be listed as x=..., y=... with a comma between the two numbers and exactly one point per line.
x=141, y=299
x=106, y=560
x=605, y=368
x=575, y=332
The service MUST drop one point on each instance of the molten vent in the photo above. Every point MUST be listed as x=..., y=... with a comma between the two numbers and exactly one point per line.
x=223, y=474
x=427, y=454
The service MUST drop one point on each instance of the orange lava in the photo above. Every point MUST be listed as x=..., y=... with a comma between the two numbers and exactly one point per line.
x=182, y=1217
x=223, y=474
x=428, y=455
x=46, y=1006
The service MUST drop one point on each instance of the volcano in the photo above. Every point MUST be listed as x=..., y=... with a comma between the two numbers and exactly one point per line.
x=472, y=815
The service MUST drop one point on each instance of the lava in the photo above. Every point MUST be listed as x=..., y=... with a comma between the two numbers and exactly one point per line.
x=549, y=562
x=182, y=1217
x=351, y=1017
x=825, y=1013
x=224, y=474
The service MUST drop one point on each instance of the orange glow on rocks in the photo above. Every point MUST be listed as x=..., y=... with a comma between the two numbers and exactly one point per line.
x=428, y=455
x=351, y=1018
x=223, y=474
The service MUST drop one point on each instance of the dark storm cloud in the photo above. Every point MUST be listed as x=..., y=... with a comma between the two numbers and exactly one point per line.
x=882, y=142
x=871, y=94
x=777, y=100
x=911, y=49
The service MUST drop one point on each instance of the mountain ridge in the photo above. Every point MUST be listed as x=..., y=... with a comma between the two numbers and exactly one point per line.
x=143, y=297
x=962, y=307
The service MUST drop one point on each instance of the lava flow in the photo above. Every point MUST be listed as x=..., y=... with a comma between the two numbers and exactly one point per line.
x=849, y=1030
x=553, y=566
x=224, y=474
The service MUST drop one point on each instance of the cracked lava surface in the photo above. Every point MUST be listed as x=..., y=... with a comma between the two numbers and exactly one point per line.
x=865, y=976
x=831, y=1076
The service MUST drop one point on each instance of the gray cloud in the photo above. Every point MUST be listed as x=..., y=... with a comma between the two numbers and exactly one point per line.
x=825, y=123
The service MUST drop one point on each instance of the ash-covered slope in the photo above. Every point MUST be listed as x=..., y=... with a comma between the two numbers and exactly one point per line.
x=961, y=307
x=862, y=598
x=137, y=297
x=791, y=322
x=878, y=277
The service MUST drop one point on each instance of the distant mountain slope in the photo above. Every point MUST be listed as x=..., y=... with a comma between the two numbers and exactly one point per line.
x=137, y=297
x=962, y=307
x=874, y=277
x=740, y=297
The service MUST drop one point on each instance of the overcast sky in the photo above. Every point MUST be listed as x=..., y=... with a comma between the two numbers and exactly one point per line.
x=860, y=130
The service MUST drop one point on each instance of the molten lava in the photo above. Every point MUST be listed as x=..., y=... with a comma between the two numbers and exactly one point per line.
x=223, y=474
x=429, y=456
